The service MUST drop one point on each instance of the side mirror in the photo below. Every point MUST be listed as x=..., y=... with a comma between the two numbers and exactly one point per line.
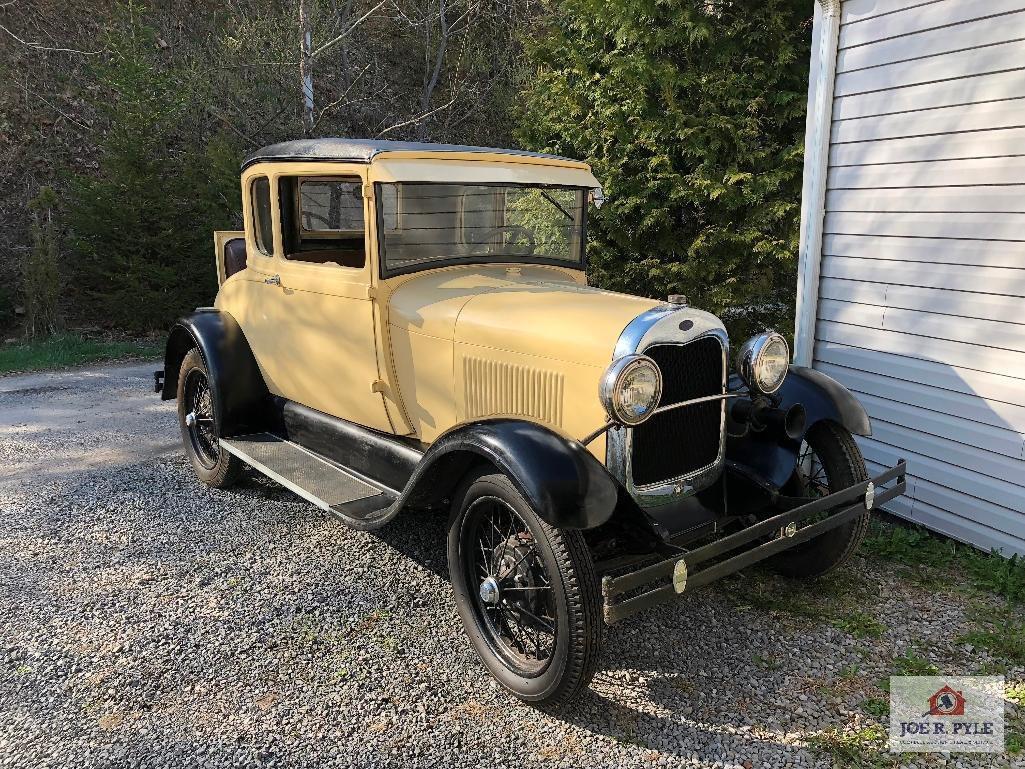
x=596, y=197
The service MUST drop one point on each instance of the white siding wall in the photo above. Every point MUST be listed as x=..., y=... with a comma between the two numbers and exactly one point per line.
x=921, y=297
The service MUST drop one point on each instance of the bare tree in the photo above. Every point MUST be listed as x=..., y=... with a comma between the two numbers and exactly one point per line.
x=344, y=27
x=306, y=66
x=438, y=69
x=447, y=30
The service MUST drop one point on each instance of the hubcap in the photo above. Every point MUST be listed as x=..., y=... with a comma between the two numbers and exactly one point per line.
x=515, y=605
x=199, y=421
x=489, y=591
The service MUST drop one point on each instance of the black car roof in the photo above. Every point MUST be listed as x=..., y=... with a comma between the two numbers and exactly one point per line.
x=363, y=150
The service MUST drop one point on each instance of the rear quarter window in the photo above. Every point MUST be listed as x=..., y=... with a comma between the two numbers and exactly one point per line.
x=263, y=225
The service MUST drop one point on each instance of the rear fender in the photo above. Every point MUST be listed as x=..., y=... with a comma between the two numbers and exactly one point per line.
x=241, y=400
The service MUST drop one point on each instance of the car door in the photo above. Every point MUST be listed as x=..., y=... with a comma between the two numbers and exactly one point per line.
x=311, y=319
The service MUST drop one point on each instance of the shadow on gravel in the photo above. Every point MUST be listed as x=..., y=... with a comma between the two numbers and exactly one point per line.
x=666, y=733
x=422, y=537
x=419, y=535
x=683, y=679
x=670, y=705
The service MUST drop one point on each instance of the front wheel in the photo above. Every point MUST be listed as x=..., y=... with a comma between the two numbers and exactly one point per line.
x=830, y=461
x=526, y=592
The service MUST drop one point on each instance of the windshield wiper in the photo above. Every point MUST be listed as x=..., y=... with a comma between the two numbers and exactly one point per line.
x=555, y=203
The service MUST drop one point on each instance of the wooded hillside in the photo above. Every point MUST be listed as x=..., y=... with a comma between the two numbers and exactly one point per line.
x=121, y=129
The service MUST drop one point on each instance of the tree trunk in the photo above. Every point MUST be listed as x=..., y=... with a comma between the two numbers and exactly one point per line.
x=306, y=67
x=439, y=61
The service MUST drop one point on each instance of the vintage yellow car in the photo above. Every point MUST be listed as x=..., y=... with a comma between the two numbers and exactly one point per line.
x=409, y=327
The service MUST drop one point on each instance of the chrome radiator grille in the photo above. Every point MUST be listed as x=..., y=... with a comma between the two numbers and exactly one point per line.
x=688, y=439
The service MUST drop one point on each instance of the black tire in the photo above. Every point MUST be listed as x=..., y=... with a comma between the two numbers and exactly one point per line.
x=214, y=466
x=541, y=573
x=839, y=465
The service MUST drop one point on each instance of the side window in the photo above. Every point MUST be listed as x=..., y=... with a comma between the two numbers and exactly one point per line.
x=263, y=226
x=322, y=220
x=331, y=205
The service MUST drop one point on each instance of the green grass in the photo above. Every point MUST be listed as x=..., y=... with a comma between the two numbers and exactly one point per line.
x=72, y=350
x=850, y=672
x=1016, y=693
x=938, y=559
x=390, y=644
x=861, y=749
x=860, y=625
x=1014, y=743
x=830, y=598
x=876, y=707
x=1014, y=730
x=766, y=663
x=999, y=630
x=911, y=664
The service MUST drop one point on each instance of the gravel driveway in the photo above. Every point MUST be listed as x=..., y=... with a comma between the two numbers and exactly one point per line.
x=146, y=620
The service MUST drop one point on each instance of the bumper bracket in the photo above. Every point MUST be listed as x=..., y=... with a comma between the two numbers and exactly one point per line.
x=784, y=528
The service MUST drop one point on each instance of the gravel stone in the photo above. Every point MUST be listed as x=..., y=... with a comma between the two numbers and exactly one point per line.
x=146, y=620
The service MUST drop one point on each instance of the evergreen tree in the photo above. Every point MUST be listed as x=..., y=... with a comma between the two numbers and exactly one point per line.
x=692, y=115
x=141, y=225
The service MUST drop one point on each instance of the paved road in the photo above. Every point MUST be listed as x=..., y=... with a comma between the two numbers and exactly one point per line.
x=146, y=620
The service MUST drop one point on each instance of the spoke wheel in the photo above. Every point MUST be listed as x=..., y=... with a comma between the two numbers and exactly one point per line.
x=527, y=592
x=197, y=402
x=515, y=599
x=829, y=461
x=199, y=418
x=811, y=473
x=811, y=479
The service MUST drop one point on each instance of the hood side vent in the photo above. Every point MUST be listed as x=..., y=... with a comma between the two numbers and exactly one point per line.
x=493, y=388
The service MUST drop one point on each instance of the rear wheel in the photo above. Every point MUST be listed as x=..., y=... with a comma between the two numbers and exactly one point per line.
x=214, y=466
x=526, y=592
x=830, y=461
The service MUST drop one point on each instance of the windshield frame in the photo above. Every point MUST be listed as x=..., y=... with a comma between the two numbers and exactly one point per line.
x=385, y=273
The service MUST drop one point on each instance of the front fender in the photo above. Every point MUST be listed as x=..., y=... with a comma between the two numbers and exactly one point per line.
x=241, y=399
x=773, y=459
x=824, y=398
x=558, y=477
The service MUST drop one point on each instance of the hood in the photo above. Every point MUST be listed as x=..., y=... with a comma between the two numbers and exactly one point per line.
x=533, y=310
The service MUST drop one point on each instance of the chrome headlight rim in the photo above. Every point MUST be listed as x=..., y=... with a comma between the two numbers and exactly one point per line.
x=750, y=362
x=612, y=382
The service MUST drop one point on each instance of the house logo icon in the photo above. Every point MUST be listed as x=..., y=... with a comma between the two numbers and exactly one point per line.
x=946, y=702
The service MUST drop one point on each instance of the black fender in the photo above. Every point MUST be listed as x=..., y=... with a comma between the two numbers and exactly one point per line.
x=824, y=398
x=772, y=459
x=563, y=482
x=242, y=402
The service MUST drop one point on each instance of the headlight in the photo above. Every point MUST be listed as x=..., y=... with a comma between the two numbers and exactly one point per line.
x=762, y=362
x=631, y=388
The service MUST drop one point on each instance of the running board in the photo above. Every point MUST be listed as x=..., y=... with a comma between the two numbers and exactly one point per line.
x=329, y=486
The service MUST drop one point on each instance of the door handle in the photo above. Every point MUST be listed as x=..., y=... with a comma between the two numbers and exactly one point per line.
x=274, y=280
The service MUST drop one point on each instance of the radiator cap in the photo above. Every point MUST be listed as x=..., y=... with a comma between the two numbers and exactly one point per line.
x=679, y=299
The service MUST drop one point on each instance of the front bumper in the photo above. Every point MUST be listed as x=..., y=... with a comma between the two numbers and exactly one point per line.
x=683, y=572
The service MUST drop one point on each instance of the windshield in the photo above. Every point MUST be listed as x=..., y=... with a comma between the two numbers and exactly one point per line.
x=428, y=225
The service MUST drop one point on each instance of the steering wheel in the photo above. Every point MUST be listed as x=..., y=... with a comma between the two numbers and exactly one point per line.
x=518, y=229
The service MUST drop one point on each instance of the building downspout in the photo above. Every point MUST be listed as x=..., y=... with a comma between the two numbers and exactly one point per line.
x=825, y=36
